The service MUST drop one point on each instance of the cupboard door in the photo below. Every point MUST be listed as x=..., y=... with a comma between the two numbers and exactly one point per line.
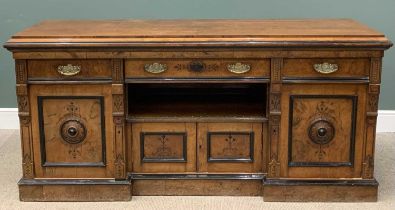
x=72, y=133
x=230, y=147
x=164, y=147
x=322, y=130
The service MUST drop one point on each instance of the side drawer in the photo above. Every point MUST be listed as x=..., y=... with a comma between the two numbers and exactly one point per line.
x=230, y=147
x=72, y=131
x=179, y=68
x=69, y=69
x=325, y=68
x=164, y=147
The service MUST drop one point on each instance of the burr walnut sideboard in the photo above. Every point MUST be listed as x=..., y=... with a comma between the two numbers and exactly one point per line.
x=284, y=109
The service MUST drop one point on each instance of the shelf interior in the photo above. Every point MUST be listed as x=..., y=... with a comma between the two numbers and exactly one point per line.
x=197, y=101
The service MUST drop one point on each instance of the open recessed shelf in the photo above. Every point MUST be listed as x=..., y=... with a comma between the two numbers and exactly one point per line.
x=197, y=102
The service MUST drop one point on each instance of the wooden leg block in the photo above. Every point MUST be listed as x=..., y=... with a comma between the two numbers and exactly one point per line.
x=198, y=187
x=74, y=190
x=320, y=191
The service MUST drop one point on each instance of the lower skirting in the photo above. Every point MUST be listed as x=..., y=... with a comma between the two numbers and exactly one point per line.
x=9, y=119
x=198, y=187
x=271, y=190
x=74, y=190
x=320, y=191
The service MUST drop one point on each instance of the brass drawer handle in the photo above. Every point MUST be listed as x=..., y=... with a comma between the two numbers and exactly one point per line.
x=239, y=68
x=326, y=68
x=155, y=68
x=69, y=70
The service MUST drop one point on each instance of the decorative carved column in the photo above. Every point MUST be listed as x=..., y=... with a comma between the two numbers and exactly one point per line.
x=24, y=118
x=274, y=117
x=118, y=107
x=371, y=117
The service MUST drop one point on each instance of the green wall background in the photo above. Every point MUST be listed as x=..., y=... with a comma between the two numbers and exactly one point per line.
x=18, y=14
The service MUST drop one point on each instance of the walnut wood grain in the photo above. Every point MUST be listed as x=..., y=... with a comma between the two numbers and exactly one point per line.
x=89, y=69
x=371, y=118
x=342, y=122
x=178, y=68
x=91, y=149
x=197, y=187
x=196, y=128
x=194, y=53
x=87, y=146
x=74, y=190
x=196, y=102
x=164, y=144
x=194, y=32
x=336, y=116
x=238, y=146
x=347, y=68
x=24, y=114
x=118, y=112
x=274, y=111
x=197, y=28
x=320, y=191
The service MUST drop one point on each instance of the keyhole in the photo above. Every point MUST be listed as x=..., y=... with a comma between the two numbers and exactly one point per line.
x=321, y=132
x=72, y=131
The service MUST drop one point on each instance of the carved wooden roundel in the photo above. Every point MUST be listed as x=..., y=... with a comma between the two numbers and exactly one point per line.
x=73, y=131
x=321, y=131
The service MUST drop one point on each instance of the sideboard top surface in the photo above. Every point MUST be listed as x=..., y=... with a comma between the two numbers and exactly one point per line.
x=118, y=33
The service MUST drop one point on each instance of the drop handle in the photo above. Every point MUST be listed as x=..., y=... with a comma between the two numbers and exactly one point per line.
x=326, y=68
x=239, y=68
x=155, y=68
x=69, y=70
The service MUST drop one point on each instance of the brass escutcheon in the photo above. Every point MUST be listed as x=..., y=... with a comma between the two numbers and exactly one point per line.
x=321, y=131
x=73, y=131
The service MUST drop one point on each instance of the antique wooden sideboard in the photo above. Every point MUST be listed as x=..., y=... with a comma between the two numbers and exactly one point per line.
x=284, y=109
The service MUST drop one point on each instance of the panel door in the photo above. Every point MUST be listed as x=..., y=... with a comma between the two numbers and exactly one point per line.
x=322, y=130
x=72, y=131
x=230, y=147
x=164, y=147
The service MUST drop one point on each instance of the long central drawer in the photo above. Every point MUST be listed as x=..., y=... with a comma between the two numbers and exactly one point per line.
x=179, y=68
